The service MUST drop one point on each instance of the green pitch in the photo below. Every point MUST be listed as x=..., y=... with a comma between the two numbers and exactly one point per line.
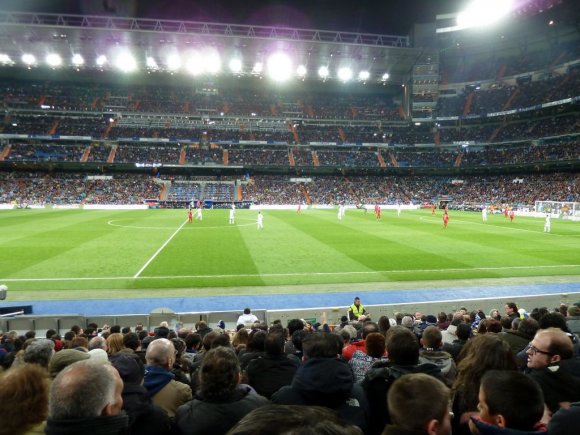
x=82, y=253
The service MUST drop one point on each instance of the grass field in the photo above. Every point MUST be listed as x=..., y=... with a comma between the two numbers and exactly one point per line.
x=73, y=253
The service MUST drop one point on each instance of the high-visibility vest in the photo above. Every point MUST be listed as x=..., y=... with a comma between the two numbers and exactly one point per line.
x=357, y=311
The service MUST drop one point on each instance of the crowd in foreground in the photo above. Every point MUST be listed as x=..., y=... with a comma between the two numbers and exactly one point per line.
x=505, y=372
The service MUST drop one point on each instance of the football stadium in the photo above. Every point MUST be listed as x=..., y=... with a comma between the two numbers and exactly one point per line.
x=166, y=167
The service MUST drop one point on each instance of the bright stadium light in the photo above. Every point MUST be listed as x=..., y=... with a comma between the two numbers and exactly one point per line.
x=323, y=72
x=344, y=74
x=126, y=62
x=213, y=63
x=28, y=59
x=173, y=62
x=483, y=13
x=5, y=59
x=385, y=77
x=301, y=71
x=258, y=68
x=194, y=64
x=364, y=75
x=77, y=60
x=235, y=65
x=151, y=63
x=279, y=67
x=53, y=60
x=101, y=60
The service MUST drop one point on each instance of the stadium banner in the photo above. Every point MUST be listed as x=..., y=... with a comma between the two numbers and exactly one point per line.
x=13, y=136
x=323, y=143
x=6, y=206
x=251, y=142
x=115, y=207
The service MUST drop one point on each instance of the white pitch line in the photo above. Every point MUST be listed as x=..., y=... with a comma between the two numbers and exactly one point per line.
x=159, y=250
x=273, y=275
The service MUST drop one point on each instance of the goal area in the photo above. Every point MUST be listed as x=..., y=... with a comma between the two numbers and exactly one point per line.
x=560, y=209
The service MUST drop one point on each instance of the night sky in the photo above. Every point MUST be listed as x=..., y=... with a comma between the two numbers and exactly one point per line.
x=366, y=16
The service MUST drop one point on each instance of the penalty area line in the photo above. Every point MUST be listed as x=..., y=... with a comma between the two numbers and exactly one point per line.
x=159, y=250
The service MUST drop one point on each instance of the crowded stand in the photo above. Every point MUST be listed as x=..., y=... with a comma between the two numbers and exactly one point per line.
x=362, y=368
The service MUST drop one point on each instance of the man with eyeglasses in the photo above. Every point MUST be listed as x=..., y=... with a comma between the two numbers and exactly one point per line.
x=552, y=364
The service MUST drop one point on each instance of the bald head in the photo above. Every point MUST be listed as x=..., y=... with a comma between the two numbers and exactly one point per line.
x=161, y=353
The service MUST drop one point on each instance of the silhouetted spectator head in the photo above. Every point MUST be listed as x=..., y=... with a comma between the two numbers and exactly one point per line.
x=553, y=320
x=208, y=339
x=50, y=333
x=293, y=419
x=247, y=311
x=419, y=403
x=115, y=329
x=431, y=338
x=319, y=345
x=221, y=340
x=297, y=339
x=510, y=400
x=125, y=330
x=538, y=313
x=76, y=329
x=131, y=341
x=192, y=341
x=402, y=346
x=295, y=325
x=274, y=344
x=375, y=345
x=219, y=375
x=256, y=341
x=368, y=328
x=463, y=331
x=528, y=328
x=384, y=324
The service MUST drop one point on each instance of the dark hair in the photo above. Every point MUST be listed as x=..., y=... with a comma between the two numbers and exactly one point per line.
x=402, y=346
x=131, y=341
x=463, y=331
x=384, y=324
x=50, y=333
x=528, y=328
x=513, y=306
x=538, y=313
x=115, y=329
x=256, y=340
x=553, y=320
x=274, y=344
x=219, y=374
x=125, y=330
x=247, y=311
x=295, y=325
x=192, y=340
x=294, y=419
x=319, y=345
x=298, y=337
x=515, y=396
x=221, y=340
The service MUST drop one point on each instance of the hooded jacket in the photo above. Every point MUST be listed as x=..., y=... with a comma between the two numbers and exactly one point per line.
x=326, y=382
x=377, y=383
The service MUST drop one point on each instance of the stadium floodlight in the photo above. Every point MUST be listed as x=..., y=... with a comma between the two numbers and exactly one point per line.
x=364, y=75
x=77, y=60
x=5, y=59
x=126, y=62
x=323, y=72
x=28, y=59
x=301, y=71
x=385, y=77
x=279, y=67
x=173, y=62
x=101, y=60
x=53, y=60
x=151, y=63
x=344, y=74
x=258, y=68
x=213, y=62
x=194, y=64
x=235, y=65
x=483, y=13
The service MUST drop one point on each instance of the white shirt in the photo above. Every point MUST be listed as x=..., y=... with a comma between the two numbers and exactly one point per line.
x=244, y=319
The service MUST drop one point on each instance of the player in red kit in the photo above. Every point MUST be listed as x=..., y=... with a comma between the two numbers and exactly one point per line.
x=433, y=209
x=189, y=216
x=512, y=215
x=505, y=212
x=445, y=219
x=378, y=211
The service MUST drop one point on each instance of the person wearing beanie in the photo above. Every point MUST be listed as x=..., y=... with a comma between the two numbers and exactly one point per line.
x=65, y=358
